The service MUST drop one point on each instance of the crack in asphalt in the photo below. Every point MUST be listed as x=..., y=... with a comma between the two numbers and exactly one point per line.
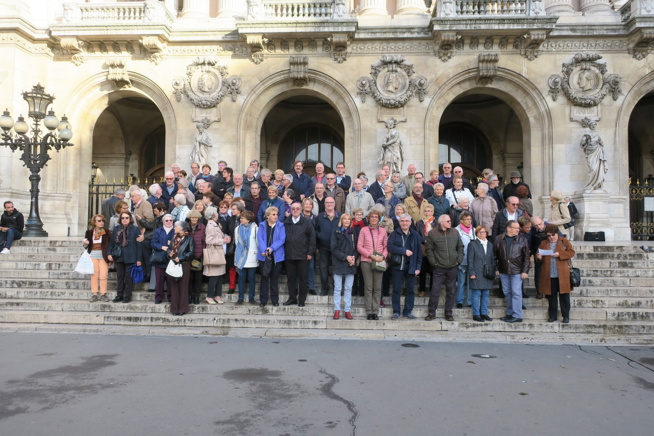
x=630, y=360
x=327, y=390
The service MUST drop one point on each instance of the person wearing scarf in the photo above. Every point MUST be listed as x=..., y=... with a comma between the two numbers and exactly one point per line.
x=424, y=226
x=467, y=233
x=160, y=244
x=415, y=203
x=343, y=247
x=125, y=236
x=181, y=253
x=358, y=223
x=246, y=255
x=97, y=242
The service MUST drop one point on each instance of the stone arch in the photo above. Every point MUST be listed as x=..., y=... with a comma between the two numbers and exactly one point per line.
x=527, y=102
x=279, y=87
x=84, y=106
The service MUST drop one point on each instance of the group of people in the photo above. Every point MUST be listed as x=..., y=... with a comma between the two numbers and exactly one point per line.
x=398, y=230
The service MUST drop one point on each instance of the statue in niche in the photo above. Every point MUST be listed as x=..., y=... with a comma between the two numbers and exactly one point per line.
x=392, y=82
x=201, y=147
x=593, y=148
x=391, y=154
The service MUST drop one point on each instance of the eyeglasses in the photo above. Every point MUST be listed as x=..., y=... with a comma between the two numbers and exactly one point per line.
x=447, y=221
x=168, y=221
x=99, y=220
x=481, y=231
x=551, y=236
x=513, y=204
x=295, y=208
x=124, y=218
x=170, y=178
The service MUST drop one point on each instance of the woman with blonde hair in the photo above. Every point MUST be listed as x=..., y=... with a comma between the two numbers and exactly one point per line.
x=343, y=247
x=214, y=242
x=96, y=241
x=200, y=207
x=559, y=213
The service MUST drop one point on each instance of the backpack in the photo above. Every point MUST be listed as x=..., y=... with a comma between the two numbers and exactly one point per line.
x=574, y=213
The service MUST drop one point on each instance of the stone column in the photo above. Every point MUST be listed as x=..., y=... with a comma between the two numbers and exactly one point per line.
x=195, y=9
x=413, y=7
x=232, y=8
x=595, y=6
x=554, y=7
x=372, y=7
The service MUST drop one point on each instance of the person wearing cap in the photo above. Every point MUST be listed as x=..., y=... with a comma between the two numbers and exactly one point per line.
x=559, y=213
x=511, y=189
x=555, y=272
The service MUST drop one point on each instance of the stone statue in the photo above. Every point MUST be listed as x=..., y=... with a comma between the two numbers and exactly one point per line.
x=593, y=148
x=340, y=9
x=391, y=154
x=201, y=146
x=255, y=10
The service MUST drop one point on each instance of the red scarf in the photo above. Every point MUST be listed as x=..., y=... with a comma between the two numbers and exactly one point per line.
x=418, y=199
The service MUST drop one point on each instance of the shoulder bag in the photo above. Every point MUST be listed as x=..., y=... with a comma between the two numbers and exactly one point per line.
x=575, y=274
x=174, y=270
x=377, y=265
x=568, y=224
x=214, y=256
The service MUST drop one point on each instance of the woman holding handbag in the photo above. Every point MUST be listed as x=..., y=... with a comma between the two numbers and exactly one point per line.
x=246, y=255
x=181, y=253
x=160, y=244
x=197, y=232
x=125, y=251
x=271, y=238
x=481, y=271
x=214, y=258
x=555, y=272
x=96, y=242
x=372, y=246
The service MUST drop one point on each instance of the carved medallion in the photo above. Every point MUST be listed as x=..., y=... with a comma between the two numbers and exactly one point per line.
x=390, y=83
x=584, y=81
x=206, y=84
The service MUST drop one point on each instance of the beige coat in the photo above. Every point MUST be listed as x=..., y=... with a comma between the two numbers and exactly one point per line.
x=559, y=215
x=412, y=205
x=339, y=197
x=144, y=210
x=214, y=238
x=484, y=210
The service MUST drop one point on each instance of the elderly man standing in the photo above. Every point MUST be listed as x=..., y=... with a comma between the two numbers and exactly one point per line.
x=302, y=180
x=405, y=246
x=410, y=179
x=495, y=192
x=110, y=203
x=427, y=190
x=415, y=203
x=300, y=245
x=444, y=250
x=239, y=189
x=376, y=188
x=512, y=256
x=512, y=188
x=334, y=191
x=326, y=223
x=447, y=175
x=168, y=190
x=458, y=172
x=359, y=198
x=509, y=213
x=143, y=212
x=483, y=208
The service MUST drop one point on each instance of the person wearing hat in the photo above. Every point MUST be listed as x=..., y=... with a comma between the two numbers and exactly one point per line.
x=510, y=190
x=555, y=272
x=559, y=213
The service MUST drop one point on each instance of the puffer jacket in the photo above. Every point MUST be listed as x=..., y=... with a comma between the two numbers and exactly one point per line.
x=199, y=240
x=365, y=245
x=342, y=246
x=444, y=249
x=516, y=262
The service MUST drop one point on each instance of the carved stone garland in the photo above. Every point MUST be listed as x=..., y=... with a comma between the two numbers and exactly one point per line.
x=390, y=82
x=299, y=66
x=487, y=68
x=585, y=81
x=117, y=73
x=206, y=85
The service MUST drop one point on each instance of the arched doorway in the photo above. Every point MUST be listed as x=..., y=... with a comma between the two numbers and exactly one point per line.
x=479, y=131
x=129, y=140
x=641, y=169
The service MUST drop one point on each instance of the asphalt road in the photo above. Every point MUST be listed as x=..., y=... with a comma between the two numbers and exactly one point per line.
x=60, y=384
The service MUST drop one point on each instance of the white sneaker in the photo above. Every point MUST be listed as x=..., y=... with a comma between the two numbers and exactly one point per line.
x=5, y=251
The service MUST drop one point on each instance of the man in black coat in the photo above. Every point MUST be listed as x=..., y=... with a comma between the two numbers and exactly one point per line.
x=12, y=224
x=494, y=192
x=302, y=180
x=299, y=248
x=168, y=190
x=326, y=223
x=427, y=189
x=511, y=189
x=375, y=189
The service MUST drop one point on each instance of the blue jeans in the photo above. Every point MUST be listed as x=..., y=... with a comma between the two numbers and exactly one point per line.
x=476, y=294
x=409, y=280
x=512, y=288
x=8, y=237
x=347, y=294
x=248, y=273
x=463, y=286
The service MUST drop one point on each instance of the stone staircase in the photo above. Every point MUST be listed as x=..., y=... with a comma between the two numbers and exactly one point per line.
x=39, y=291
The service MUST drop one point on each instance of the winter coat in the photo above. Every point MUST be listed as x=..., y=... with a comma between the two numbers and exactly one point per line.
x=300, y=239
x=526, y=206
x=277, y=243
x=104, y=244
x=483, y=210
x=199, y=243
x=213, y=241
x=476, y=260
x=400, y=191
x=516, y=262
x=325, y=229
x=559, y=215
x=364, y=201
x=566, y=252
x=159, y=239
x=399, y=243
x=499, y=224
x=277, y=202
x=444, y=249
x=511, y=188
x=303, y=183
x=387, y=224
x=441, y=205
x=339, y=197
x=345, y=183
x=151, y=226
x=375, y=190
x=393, y=201
x=342, y=246
x=131, y=253
x=365, y=242
x=165, y=196
x=412, y=207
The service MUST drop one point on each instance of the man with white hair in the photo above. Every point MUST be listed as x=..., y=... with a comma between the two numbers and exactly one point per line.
x=458, y=172
x=176, y=168
x=239, y=189
x=376, y=188
x=358, y=198
x=168, y=190
x=249, y=176
x=155, y=194
x=288, y=182
x=410, y=179
x=110, y=203
x=405, y=247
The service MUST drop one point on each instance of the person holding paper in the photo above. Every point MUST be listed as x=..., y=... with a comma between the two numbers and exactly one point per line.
x=554, y=255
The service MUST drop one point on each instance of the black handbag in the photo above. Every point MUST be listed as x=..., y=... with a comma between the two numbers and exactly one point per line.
x=266, y=268
x=489, y=272
x=594, y=236
x=231, y=248
x=575, y=276
x=396, y=260
x=117, y=251
x=159, y=258
x=569, y=224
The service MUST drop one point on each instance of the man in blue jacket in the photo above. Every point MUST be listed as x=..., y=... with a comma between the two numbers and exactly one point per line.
x=405, y=246
x=302, y=180
x=326, y=223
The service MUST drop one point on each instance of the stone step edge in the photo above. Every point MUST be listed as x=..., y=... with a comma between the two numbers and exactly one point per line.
x=592, y=339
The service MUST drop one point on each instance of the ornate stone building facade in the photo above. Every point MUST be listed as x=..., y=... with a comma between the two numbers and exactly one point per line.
x=546, y=87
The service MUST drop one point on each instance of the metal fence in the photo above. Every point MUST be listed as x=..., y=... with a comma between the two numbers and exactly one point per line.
x=99, y=192
x=641, y=206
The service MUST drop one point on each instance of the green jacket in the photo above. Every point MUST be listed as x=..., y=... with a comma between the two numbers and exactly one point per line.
x=444, y=249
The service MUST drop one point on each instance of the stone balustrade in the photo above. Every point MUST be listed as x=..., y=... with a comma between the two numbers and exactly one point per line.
x=294, y=9
x=634, y=8
x=145, y=12
x=491, y=8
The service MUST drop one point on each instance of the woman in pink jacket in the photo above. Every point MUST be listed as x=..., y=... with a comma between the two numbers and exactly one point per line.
x=372, y=246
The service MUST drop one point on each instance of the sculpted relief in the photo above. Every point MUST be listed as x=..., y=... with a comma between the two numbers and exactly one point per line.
x=391, y=83
x=206, y=84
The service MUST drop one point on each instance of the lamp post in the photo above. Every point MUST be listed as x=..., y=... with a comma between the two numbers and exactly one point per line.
x=35, y=149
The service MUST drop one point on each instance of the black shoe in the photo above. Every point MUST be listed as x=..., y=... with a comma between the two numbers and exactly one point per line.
x=506, y=318
x=196, y=299
x=551, y=320
x=487, y=318
x=300, y=305
x=449, y=318
x=190, y=299
x=275, y=304
x=118, y=299
x=524, y=295
x=375, y=317
x=231, y=291
x=239, y=302
x=369, y=317
x=523, y=307
x=127, y=299
x=262, y=304
x=290, y=302
x=514, y=320
x=566, y=320
x=312, y=292
x=157, y=301
x=459, y=305
x=252, y=302
x=151, y=290
x=477, y=318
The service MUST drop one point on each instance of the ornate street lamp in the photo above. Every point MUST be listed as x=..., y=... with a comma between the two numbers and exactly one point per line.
x=35, y=149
